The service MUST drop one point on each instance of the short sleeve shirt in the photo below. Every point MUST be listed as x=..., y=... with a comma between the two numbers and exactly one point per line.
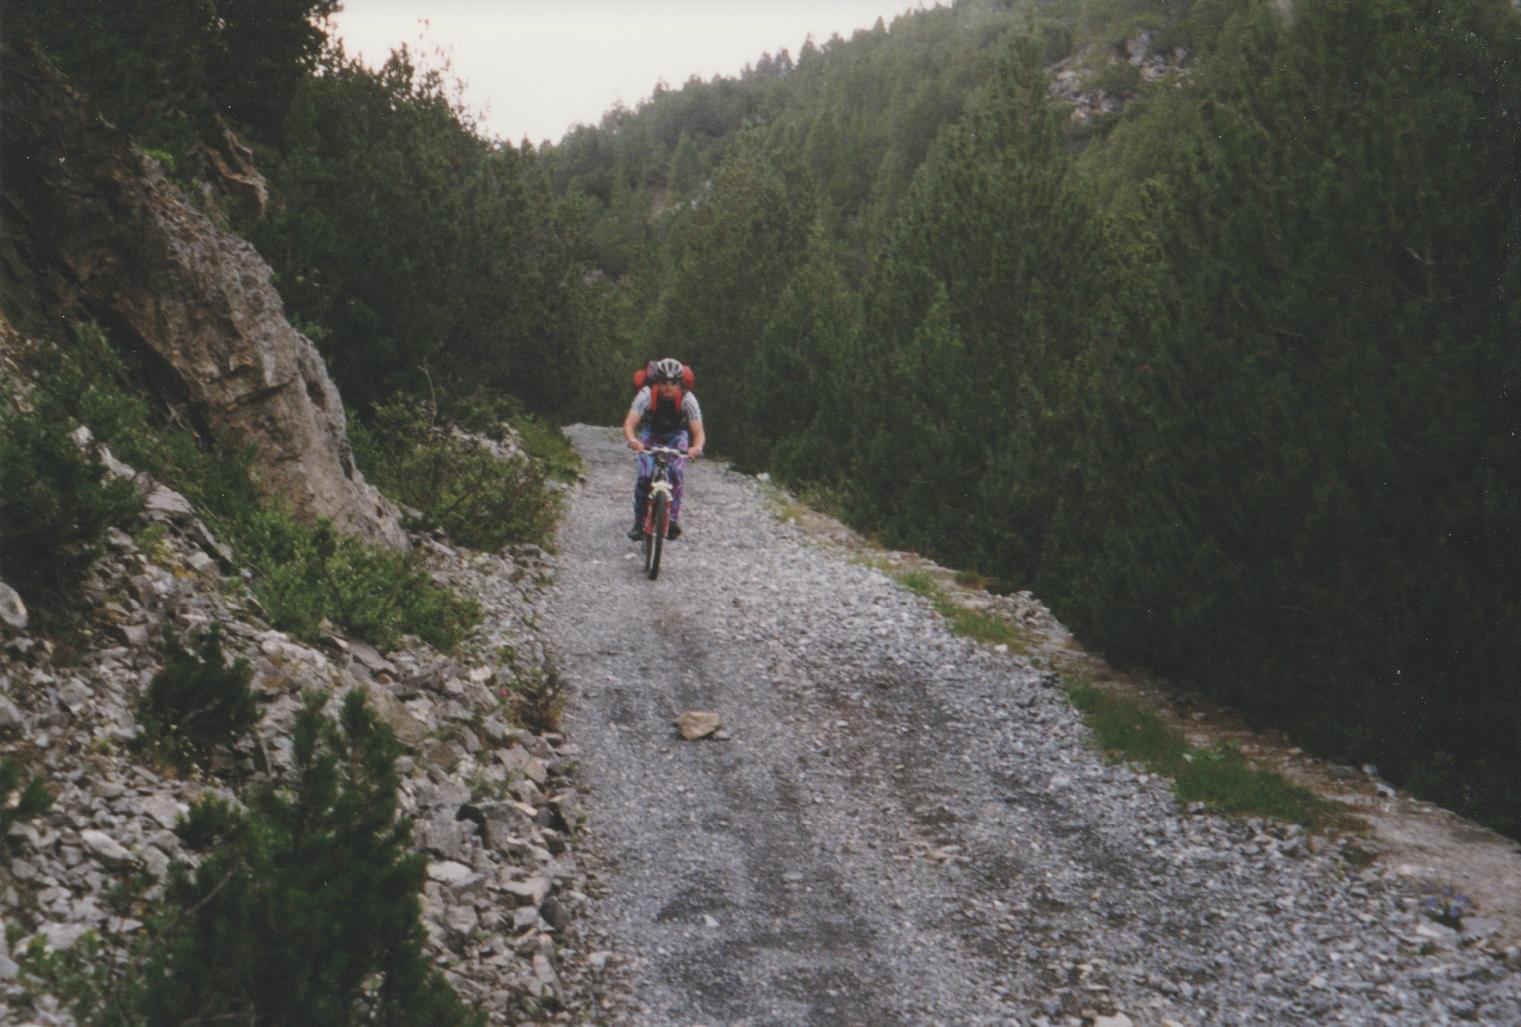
x=689, y=407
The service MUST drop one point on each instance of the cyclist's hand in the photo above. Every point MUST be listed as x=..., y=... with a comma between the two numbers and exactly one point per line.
x=636, y=445
x=695, y=453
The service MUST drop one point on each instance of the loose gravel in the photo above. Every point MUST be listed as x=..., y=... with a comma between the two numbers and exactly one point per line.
x=898, y=826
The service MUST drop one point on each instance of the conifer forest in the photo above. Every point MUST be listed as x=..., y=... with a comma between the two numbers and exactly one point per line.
x=1201, y=319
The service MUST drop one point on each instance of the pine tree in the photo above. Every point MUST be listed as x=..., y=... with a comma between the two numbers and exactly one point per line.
x=304, y=908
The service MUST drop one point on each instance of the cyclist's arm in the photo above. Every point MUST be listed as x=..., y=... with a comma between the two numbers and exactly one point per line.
x=630, y=426
x=693, y=411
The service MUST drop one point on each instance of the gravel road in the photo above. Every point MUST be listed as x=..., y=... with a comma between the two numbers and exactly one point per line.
x=904, y=827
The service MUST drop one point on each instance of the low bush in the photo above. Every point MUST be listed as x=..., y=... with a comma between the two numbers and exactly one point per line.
x=198, y=703
x=482, y=501
x=307, y=575
x=1113, y=76
x=55, y=503
x=302, y=907
x=536, y=697
x=22, y=796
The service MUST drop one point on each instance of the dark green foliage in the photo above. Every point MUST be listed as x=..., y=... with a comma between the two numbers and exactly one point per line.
x=734, y=261
x=457, y=483
x=304, y=907
x=1321, y=457
x=1230, y=378
x=305, y=575
x=56, y=502
x=536, y=696
x=86, y=377
x=198, y=703
x=165, y=79
x=22, y=796
x=404, y=242
x=415, y=244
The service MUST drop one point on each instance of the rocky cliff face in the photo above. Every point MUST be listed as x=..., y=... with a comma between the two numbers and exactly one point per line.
x=94, y=229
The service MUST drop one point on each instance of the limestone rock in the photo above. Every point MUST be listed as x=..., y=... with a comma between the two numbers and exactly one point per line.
x=233, y=163
x=12, y=610
x=94, y=228
x=60, y=937
x=451, y=873
x=695, y=724
x=107, y=849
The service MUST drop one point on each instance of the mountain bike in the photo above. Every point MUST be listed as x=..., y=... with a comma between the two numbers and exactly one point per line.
x=657, y=515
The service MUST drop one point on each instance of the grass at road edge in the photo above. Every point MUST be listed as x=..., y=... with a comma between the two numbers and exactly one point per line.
x=979, y=625
x=1220, y=777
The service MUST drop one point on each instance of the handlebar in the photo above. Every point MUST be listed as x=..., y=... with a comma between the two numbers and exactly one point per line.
x=667, y=450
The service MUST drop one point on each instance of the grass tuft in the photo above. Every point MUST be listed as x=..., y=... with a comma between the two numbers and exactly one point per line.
x=979, y=625
x=1219, y=776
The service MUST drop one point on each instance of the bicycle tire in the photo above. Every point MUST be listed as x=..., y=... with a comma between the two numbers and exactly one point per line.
x=660, y=523
x=649, y=541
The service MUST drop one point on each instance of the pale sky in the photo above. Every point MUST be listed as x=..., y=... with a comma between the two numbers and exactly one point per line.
x=534, y=68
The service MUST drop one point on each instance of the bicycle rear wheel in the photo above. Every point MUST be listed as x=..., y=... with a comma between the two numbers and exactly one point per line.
x=660, y=523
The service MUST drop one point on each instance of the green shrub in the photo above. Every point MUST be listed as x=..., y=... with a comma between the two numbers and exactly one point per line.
x=197, y=703
x=22, y=796
x=88, y=379
x=536, y=697
x=302, y=909
x=55, y=503
x=549, y=446
x=481, y=501
x=305, y=575
x=81, y=976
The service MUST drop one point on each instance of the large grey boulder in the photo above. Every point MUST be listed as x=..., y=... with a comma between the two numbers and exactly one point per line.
x=95, y=229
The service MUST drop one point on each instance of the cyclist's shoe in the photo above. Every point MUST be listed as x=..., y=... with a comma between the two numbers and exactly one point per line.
x=674, y=531
x=636, y=532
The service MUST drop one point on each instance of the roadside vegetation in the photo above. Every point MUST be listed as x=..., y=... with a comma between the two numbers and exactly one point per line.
x=484, y=490
x=423, y=260
x=980, y=625
x=1219, y=777
x=301, y=904
x=304, y=574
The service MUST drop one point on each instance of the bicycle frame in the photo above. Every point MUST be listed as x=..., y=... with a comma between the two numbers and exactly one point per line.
x=662, y=494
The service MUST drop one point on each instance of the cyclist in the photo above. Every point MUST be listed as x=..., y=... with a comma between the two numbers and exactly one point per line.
x=664, y=413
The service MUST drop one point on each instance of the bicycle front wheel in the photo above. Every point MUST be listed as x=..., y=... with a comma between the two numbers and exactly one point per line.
x=660, y=523
x=649, y=541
